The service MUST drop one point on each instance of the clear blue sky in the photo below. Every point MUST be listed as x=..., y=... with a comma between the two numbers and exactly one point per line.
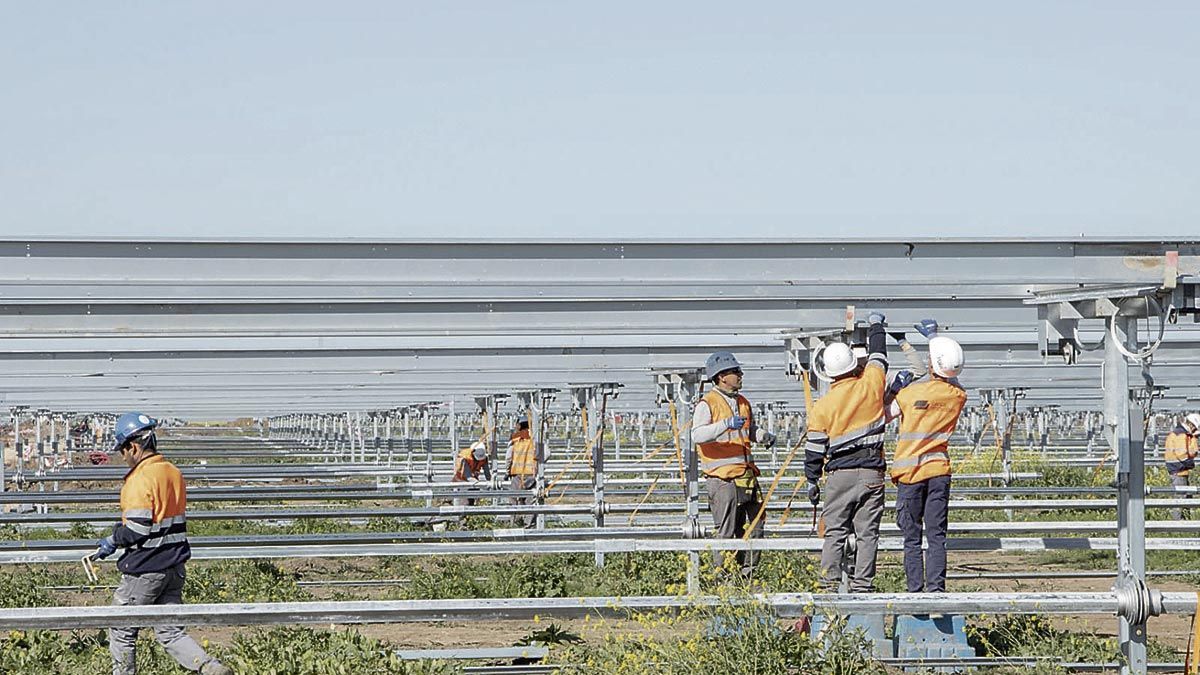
x=531, y=119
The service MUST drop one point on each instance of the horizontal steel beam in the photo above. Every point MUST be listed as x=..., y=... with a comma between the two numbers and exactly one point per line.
x=489, y=609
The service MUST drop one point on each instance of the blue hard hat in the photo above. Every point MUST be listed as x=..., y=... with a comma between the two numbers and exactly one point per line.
x=523, y=419
x=719, y=362
x=130, y=425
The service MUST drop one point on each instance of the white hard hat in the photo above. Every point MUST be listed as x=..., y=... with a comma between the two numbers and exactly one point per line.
x=946, y=356
x=1194, y=420
x=839, y=359
x=478, y=450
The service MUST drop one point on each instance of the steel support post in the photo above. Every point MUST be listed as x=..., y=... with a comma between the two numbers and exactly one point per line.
x=427, y=445
x=682, y=389
x=453, y=430
x=536, y=403
x=592, y=402
x=1123, y=428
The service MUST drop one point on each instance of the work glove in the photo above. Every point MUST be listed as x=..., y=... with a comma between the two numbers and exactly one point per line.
x=735, y=422
x=105, y=547
x=814, y=494
x=902, y=380
x=768, y=439
x=927, y=327
x=875, y=317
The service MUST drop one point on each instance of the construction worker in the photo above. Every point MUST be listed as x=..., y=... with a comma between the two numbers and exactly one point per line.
x=1179, y=452
x=928, y=413
x=153, y=532
x=723, y=427
x=522, y=460
x=845, y=441
x=472, y=465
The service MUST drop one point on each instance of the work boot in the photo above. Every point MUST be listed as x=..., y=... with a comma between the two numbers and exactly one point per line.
x=215, y=668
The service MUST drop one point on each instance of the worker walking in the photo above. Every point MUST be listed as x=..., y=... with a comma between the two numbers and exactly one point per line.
x=928, y=413
x=845, y=441
x=522, y=462
x=153, y=532
x=723, y=427
x=472, y=465
x=1179, y=452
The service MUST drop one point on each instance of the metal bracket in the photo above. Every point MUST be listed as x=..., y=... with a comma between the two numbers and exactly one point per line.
x=1061, y=310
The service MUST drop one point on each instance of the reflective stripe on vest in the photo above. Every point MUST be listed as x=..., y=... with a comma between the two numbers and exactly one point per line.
x=524, y=456
x=1179, y=452
x=929, y=414
x=729, y=455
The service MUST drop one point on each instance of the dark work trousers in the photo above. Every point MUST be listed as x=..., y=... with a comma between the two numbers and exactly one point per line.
x=1178, y=480
x=523, y=483
x=733, y=508
x=924, y=506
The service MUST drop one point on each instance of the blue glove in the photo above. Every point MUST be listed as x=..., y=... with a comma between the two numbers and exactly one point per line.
x=902, y=380
x=814, y=494
x=735, y=422
x=927, y=327
x=875, y=317
x=105, y=547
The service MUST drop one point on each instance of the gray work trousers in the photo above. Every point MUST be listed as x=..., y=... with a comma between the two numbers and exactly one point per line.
x=1180, y=481
x=153, y=588
x=733, y=508
x=523, y=483
x=853, y=506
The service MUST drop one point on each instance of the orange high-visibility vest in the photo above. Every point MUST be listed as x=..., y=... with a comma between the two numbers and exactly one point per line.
x=929, y=414
x=524, y=455
x=1179, y=452
x=729, y=455
x=466, y=464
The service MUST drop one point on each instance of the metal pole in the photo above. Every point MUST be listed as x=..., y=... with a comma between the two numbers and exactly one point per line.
x=1123, y=428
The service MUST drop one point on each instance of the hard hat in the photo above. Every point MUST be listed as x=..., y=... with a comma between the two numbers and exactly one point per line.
x=1194, y=420
x=719, y=362
x=129, y=426
x=946, y=356
x=839, y=359
x=523, y=419
x=478, y=450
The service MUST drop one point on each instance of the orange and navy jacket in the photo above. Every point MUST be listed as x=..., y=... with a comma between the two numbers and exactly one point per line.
x=153, y=527
x=1179, y=451
x=467, y=467
x=929, y=414
x=845, y=426
x=728, y=456
x=523, y=461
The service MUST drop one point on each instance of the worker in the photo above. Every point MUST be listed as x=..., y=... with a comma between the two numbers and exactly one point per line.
x=928, y=413
x=522, y=462
x=845, y=441
x=723, y=427
x=1179, y=452
x=153, y=532
x=472, y=465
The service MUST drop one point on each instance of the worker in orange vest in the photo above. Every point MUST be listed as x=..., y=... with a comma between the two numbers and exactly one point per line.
x=522, y=460
x=845, y=441
x=1179, y=453
x=928, y=413
x=472, y=465
x=723, y=427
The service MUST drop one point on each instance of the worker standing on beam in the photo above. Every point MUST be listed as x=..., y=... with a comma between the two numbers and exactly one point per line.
x=928, y=413
x=521, y=459
x=153, y=532
x=723, y=427
x=845, y=441
x=1179, y=452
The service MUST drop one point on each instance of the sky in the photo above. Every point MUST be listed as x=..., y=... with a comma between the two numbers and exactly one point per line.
x=690, y=120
